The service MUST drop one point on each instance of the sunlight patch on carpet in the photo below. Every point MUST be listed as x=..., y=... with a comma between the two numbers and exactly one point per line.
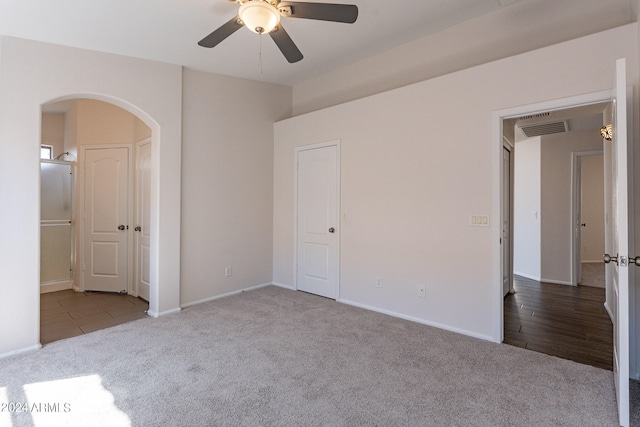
x=5, y=416
x=78, y=401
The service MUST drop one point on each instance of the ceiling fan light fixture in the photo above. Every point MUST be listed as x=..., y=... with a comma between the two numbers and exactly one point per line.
x=259, y=16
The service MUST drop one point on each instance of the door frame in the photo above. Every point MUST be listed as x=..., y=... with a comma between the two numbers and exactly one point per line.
x=298, y=149
x=81, y=200
x=498, y=116
x=576, y=188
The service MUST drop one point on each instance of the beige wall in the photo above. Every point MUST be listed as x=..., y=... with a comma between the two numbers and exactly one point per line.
x=556, y=200
x=100, y=122
x=416, y=162
x=227, y=183
x=593, y=208
x=53, y=132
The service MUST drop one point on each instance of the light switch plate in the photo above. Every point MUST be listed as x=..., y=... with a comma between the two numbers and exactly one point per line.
x=479, y=221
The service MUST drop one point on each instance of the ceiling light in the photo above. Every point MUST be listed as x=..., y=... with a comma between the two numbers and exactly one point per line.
x=259, y=16
x=607, y=132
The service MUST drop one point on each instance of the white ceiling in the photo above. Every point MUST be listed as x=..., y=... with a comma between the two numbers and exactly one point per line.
x=168, y=31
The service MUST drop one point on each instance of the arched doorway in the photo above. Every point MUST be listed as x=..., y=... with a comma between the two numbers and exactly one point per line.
x=108, y=150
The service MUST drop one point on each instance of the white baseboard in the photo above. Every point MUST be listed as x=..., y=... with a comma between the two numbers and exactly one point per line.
x=55, y=286
x=163, y=313
x=418, y=320
x=541, y=279
x=527, y=276
x=282, y=285
x=606, y=307
x=29, y=349
x=556, y=282
x=228, y=294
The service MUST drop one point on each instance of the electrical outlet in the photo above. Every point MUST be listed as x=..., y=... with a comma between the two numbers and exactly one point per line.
x=422, y=291
x=379, y=282
x=227, y=271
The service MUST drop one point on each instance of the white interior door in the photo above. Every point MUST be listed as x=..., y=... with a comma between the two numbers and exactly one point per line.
x=620, y=227
x=106, y=184
x=317, y=222
x=143, y=216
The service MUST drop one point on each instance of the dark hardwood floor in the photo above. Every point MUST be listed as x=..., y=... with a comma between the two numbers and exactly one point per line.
x=564, y=321
x=65, y=314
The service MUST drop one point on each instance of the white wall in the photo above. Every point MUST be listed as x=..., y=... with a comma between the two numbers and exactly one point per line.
x=227, y=184
x=593, y=208
x=413, y=171
x=33, y=73
x=527, y=231
x=517, y=28
x=556, y=196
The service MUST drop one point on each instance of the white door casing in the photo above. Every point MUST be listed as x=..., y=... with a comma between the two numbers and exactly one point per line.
x=143, y=215
x=317, y=213
x=105, y=214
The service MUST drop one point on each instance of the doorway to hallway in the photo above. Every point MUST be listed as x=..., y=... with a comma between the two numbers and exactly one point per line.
x=563, y=321
x=548, y=310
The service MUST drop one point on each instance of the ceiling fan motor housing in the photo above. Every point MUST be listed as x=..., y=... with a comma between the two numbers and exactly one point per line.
x=260, y=16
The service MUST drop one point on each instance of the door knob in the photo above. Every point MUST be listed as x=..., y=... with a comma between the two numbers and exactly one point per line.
x=635, y=260
x=121, y=227
x=332, y=230
x=138, y=228
x=608, y=258
x=583, y=225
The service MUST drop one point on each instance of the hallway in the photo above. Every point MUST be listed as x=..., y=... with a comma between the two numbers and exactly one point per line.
x=559, y=320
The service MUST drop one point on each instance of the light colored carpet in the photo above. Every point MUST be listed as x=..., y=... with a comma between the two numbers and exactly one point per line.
x=593, y=274
x=274, y=357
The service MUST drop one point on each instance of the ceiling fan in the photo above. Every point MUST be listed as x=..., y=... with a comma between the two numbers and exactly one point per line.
x=263, y=17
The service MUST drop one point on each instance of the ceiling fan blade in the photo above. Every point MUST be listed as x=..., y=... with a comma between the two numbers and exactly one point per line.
x=347, y=13
x=221, y=33
x=286, y=45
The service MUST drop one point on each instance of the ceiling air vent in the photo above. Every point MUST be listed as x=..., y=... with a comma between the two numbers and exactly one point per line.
x=534, y=116
x=539, y=129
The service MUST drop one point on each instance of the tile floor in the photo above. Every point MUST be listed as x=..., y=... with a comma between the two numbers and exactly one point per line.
x=66, y=314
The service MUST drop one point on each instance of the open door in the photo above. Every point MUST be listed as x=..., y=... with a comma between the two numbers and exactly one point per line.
x=619, y=262
x=507, y=265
